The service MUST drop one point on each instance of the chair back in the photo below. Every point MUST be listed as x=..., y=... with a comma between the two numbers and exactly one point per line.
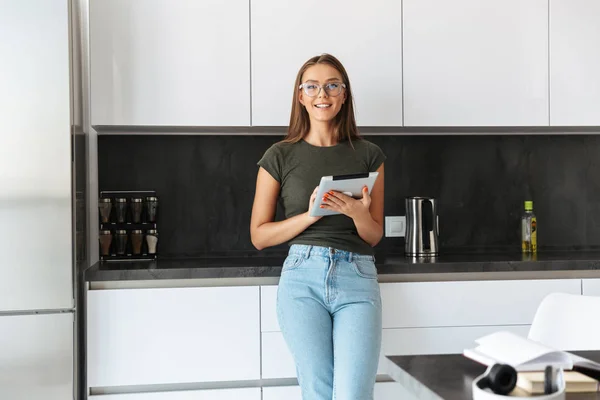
x=567, y=322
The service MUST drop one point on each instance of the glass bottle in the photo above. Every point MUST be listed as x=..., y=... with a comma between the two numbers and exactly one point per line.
x=151, y=240
x=121, y=241
x=151, y=208
x=136, y=210
x=121, y=209
x=137, y=238
x=104, y=206
x=105, y=239
x=529, y=229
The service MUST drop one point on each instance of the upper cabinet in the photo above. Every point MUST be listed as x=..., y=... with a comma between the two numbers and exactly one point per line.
x=366, y=39
x=476, y=63
x=170, y=62
x=574, y=62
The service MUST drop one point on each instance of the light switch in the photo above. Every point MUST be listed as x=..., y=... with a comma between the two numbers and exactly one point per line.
x=395, y=226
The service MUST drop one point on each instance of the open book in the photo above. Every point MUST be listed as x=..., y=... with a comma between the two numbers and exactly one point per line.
x=527, y=355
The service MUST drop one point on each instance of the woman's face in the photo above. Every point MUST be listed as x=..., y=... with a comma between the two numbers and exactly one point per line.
x=322, y=104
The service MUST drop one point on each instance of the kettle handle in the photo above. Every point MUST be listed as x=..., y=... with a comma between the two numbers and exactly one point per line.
x=426, y=222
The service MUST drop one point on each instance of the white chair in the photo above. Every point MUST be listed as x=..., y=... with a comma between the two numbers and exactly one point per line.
x=567, y=322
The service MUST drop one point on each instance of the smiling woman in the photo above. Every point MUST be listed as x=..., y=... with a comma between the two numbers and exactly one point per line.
x=328, y=301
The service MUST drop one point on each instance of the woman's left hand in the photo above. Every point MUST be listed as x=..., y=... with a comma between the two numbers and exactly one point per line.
x=347, y=205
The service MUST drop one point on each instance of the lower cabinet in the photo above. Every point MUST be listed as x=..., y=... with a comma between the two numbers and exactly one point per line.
x=172, y=335
x=442, y=304
x=277, y=362
x=591, y=287
x=383, y=391
x=217, y=394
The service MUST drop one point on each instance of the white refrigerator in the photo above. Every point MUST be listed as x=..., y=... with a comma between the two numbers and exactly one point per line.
x=37, y=201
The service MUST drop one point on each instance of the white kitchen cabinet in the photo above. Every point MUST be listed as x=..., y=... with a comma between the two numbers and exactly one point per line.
x=574, y=62
x=367, y=40
x=36, y=357
x=268, y=310
x=475, y=63
x=452, y=303
x=383, y=391
x=172, y=335
x=165, y=62
x=214, y=394
x=590, y=287
x=450, y=340
x=277, y=361
x=282, y=392
x=467, y=303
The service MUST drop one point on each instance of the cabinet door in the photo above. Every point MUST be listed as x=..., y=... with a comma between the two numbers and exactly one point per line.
x=170, y=62
x=282, y=392
x=469, y=303
x=475, y=63
x=367, y=40
x=216, y=394
x=277, y=361
x=383, y=391
x=591, y=287
x=574, y=62
x=167, y=336
x=36, y=357
x=450, y=340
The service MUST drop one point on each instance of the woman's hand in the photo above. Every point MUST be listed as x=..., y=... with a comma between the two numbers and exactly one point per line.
x=311, y=204
x=353, y=208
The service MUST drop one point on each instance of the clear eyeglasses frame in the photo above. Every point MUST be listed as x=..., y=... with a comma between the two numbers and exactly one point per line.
x=312, y=89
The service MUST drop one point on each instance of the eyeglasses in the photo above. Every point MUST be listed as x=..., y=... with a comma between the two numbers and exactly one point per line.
x=313, y=89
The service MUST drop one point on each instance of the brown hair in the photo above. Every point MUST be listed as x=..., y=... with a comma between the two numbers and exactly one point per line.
x=344, y=123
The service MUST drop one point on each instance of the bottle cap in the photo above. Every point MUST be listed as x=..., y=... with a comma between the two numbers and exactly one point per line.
x=528, y=205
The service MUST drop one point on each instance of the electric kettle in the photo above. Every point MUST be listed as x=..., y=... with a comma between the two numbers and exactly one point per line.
x=421, y=227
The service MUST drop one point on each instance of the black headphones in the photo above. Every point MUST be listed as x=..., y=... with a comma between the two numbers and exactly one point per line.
x=502, y=379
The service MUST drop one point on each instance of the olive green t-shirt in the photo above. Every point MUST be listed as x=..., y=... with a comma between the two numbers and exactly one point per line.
x=298, y=167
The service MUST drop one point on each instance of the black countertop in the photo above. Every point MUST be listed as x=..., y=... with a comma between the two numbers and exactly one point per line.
x=256, y=265
x=450, y=376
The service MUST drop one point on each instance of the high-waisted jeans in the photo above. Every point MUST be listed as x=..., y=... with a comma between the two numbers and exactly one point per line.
x=329, y=311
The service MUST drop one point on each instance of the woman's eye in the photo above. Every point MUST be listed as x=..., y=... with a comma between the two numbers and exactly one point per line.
x=311, y=86
x=333, y=86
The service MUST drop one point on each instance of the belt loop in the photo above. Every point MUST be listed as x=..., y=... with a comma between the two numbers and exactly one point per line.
x=307, y=252
x=350, y=256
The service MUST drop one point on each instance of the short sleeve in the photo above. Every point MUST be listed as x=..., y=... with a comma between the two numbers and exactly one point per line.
x=271, y=162
x=376, y=157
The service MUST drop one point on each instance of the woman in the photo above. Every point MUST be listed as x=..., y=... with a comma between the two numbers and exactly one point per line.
x=328, y=301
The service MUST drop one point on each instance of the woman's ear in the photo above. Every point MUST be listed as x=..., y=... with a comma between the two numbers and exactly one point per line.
x=301, y=98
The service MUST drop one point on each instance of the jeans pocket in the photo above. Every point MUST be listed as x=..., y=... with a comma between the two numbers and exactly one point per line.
x=365, y=268
x=292, y=261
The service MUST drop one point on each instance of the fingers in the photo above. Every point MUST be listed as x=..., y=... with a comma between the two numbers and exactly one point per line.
x=334, y=198
x=366, y=199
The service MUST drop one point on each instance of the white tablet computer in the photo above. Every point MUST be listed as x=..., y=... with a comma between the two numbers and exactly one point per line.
x=350, y=185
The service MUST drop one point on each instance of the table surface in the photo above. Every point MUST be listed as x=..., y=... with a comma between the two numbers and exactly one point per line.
x=450, y=376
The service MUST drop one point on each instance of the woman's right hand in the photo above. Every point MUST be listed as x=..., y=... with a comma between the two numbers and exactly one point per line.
x=311, y=204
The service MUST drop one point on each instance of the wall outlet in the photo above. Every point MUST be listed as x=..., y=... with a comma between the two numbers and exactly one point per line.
x=395, y=226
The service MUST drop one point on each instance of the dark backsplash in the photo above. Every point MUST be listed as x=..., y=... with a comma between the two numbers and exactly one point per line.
x=205, y=186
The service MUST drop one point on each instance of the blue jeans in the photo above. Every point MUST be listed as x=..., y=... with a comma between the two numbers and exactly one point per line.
x=329, y=311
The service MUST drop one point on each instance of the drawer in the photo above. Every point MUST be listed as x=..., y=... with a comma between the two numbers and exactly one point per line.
x=591, y=287
x=277, y=362
x=441, y=304
x=172, y=335
x=268, y=312
x=383, y=391
x=469, y=303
